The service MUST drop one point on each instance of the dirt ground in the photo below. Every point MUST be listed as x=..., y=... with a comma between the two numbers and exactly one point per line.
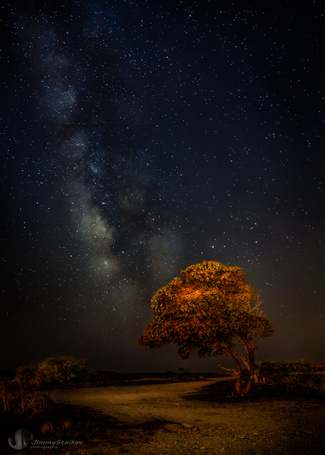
x=187, y=418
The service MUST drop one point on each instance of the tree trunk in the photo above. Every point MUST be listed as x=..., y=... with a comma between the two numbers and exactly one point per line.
x=247, y=387
x=238, y=382
x=243, y=387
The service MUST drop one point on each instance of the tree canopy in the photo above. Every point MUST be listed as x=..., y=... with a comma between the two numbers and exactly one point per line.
x=211, y=309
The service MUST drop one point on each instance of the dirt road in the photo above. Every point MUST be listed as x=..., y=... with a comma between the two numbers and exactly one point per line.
x=137, y=404
x=182, y=418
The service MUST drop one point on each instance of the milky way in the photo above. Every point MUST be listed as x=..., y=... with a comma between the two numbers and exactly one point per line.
x=139, y=138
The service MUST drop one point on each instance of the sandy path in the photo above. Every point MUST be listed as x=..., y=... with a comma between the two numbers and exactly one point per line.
x=139, y=403
x=191, y=424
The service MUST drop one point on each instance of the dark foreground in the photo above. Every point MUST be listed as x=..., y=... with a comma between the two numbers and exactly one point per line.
x=193, y=417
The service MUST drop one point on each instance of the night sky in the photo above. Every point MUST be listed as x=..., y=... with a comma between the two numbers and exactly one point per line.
x=140, y=137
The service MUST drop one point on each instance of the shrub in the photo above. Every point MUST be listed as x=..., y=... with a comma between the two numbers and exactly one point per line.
x=305, y=384
x=273, y=371
x=25, y=374
x=62, y=370
x=20, y=402
x=293, y=378
x=53, y=371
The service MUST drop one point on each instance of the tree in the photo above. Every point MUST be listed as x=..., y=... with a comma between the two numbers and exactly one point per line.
x=214, y=310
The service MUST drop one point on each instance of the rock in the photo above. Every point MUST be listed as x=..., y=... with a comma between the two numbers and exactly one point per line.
x=186, y=425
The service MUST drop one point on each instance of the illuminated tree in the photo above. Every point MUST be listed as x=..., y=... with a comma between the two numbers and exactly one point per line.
x=211, y=309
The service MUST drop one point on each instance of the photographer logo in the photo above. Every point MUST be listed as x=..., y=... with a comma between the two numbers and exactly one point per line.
x=24, y=439
x=21, y=440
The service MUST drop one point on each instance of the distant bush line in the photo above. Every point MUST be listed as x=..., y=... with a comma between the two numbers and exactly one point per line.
x=301, y=379
x=23, y=396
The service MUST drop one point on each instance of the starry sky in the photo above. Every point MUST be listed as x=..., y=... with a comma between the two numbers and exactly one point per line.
x=140, y=137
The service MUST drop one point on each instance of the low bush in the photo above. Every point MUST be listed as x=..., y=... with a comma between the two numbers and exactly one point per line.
x=63, y=370
x=270, y=370
x=25, y=403
x=53, y=372
x=293, y=378
x=312, y=385
x=25, y=375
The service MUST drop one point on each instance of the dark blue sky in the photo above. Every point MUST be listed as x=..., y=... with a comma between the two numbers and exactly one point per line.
x=140, y=137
